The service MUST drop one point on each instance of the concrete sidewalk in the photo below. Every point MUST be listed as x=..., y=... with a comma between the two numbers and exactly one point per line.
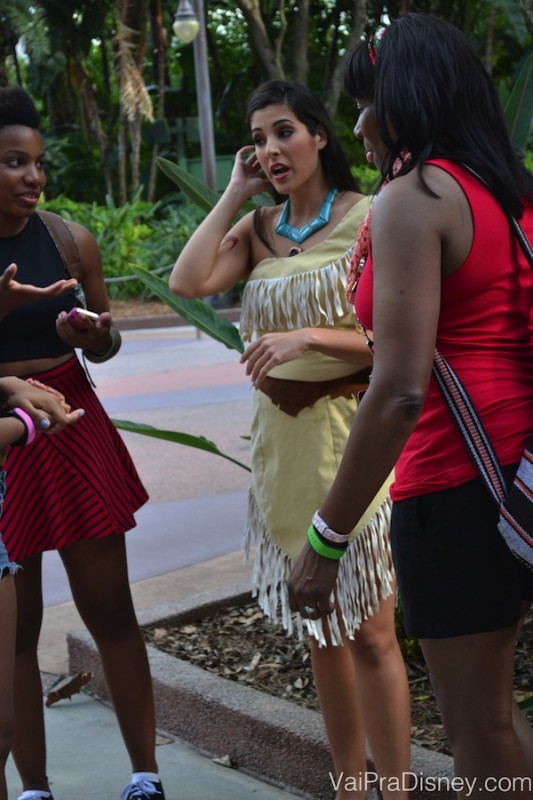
x=87, y=761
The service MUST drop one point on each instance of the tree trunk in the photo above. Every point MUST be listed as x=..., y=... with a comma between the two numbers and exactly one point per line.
x=123, y=158
x=134, y=100
x=334, y=88
x=159, y=50
x=269, y=55
x=301, y=35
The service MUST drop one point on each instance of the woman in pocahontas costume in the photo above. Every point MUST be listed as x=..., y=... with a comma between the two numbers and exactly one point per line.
x=307, y=363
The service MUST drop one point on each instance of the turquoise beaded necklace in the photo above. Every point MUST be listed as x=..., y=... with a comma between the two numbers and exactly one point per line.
x=299, y=235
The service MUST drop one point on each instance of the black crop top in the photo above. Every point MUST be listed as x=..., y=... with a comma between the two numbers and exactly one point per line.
x=29, y=332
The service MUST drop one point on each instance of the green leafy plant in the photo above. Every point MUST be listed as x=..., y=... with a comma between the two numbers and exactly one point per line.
x=199, y=442
x=196, y=312
x=133, y=236
x=201, y=194
x=518, y=106
x=526, y=704
x=206, y=319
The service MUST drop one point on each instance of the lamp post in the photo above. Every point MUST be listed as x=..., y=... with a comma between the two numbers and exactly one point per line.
x=189, y=26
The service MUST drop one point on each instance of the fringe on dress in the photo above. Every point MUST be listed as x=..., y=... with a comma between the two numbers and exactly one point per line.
x=365, y=578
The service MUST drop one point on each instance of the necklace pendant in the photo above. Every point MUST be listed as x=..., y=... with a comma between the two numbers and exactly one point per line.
x=299, y=235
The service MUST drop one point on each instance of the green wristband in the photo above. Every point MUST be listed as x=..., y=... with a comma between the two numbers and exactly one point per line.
x=322, y=549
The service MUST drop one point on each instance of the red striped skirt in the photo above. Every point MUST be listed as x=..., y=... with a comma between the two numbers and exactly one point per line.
x=71, y=486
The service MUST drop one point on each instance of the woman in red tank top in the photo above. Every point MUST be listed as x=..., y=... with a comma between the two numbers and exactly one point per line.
x=437, y=265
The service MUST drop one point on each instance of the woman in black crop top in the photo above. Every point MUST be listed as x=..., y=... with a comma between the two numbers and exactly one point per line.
x=84, y=489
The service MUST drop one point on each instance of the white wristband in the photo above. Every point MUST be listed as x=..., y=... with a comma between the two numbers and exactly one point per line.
x=327, y=532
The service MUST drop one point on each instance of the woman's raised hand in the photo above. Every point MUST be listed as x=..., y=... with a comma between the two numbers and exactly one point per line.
x=247, y=172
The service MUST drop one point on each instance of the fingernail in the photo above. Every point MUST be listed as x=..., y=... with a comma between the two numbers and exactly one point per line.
x=44, y=423
x=82, y=412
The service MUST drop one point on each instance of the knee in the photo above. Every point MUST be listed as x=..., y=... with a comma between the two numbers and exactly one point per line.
x=28, y=632
x=116, y=623
x=375, y=646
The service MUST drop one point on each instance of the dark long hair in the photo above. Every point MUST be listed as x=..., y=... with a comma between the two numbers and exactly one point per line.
x=434, y=98
x=310, y=111
x=17, y=108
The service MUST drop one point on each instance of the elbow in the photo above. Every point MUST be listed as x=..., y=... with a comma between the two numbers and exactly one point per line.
x=409, y=406
x=180, y=288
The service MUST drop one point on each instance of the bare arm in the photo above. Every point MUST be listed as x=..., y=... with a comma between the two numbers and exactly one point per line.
x=42, y=403
x=14, y=294
x=273, y=349
x=217, y=256
x=98, y=338
x=407, y=235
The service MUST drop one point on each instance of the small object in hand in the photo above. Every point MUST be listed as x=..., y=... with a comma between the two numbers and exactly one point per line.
x=76, y=312
x=66, y=687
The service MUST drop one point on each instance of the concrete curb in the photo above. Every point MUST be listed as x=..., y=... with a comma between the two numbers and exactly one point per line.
x=268, y=737
x=169, y=320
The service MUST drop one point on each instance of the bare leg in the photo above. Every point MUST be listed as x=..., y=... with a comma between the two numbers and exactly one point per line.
x=98, y=576
x=523, y=729
x=8, y=616
x=362, y=686
x=384, y=697
x=337, y=693
x=524, y=732
x=473, y=678
x=29, y=744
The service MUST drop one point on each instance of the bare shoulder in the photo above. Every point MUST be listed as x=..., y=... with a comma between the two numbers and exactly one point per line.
x=87, y=245
x=80, y=232
x=407, y=204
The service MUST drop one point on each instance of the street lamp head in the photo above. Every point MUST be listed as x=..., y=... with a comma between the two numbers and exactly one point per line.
x=186, y=24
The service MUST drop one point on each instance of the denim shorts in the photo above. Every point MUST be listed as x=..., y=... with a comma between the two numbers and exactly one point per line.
x=7, y=567
x=456, y=575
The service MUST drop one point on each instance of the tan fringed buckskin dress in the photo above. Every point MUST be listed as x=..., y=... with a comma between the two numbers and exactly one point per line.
x=300, y=424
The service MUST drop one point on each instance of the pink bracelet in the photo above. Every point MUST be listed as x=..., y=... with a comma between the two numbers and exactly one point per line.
x=28, y=423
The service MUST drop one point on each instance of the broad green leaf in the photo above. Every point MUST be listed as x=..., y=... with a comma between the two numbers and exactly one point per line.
x=196, y=312
x=202, y=195
x=200, y=442
x=198, y=192
x=518, y=110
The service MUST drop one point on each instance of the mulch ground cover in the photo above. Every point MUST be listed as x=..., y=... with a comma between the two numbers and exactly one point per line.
x=239, y=643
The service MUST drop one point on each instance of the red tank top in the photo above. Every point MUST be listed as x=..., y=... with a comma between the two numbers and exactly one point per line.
x=485, y=331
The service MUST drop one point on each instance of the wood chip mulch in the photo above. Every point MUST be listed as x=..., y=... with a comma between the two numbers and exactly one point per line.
x=239, y=643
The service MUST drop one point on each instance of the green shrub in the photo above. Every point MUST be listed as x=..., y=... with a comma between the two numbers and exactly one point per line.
x=137, y=235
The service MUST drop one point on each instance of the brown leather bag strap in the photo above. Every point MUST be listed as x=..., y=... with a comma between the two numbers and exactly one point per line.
x=64, y=240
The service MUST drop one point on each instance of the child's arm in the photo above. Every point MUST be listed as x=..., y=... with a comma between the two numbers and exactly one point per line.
x=46, y=407
x=15, y=427
x=12, y=428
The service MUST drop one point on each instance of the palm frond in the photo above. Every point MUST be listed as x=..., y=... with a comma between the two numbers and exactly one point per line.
x=199, y=442
x=196, y=312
